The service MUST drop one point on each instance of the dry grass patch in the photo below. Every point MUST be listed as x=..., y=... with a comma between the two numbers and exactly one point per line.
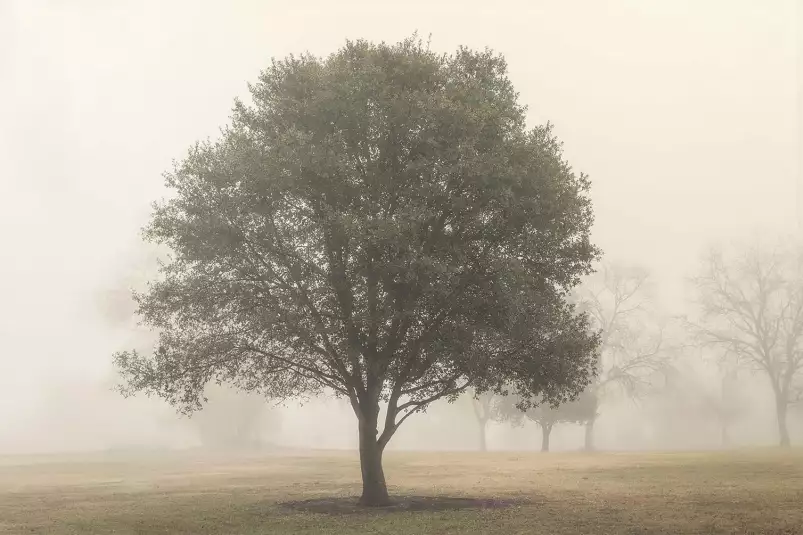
x=736, y=492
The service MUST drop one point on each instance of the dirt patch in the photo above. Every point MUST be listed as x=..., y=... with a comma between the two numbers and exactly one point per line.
x=348, y=505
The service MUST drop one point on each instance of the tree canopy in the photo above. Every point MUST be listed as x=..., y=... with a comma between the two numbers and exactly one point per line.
x=380, y=224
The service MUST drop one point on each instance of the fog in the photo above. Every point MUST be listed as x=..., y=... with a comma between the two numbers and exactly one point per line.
x=685, y=114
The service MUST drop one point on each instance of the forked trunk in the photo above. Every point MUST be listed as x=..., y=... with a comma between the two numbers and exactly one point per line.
x=589, y=441
x=483, y=441
x=546, y=430
x=783, y=432
x=374, y=489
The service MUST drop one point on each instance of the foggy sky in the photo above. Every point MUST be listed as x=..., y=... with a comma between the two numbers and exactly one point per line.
x=683, y=113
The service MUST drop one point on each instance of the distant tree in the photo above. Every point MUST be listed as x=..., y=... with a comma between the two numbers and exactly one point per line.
x=727, y=403
x=482, y=411
x=379, y=223
x=232, y=420
x=114, y=301
x=633, y=350
x=796, y=410
x=485, y=411
x=545, y=415
x=689, y=402
x=751, y=309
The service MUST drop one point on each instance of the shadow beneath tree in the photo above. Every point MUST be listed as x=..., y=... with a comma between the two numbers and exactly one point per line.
x=348, y=504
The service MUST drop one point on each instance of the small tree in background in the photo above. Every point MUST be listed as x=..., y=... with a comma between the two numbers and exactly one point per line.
x=544, y=415
x=482, y=405
x=727, y=402
x=633, y=349
x=232, y=420
x=691, y=404
x=379, y=223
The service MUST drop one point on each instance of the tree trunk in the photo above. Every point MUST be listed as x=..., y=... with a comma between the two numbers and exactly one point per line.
x=546, y=430
x=724, y=436
x=589, y=441
x=483, y=441
x=780, y=410
x=374, y=489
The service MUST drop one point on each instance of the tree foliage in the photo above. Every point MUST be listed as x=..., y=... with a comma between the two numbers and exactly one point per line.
x=577, y=410
x=379, y=224
x=114, y=302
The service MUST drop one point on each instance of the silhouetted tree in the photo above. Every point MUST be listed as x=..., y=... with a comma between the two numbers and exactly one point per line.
x=751, y=308
x=379, y=223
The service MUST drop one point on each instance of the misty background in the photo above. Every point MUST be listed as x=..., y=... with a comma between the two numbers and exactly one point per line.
x=685, y=115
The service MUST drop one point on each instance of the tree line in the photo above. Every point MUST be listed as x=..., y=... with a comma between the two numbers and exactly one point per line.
x=744, y=318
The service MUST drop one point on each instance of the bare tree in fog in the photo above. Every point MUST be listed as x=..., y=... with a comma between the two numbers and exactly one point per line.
x=633, y=348
x=381, y=224
x=751, y=304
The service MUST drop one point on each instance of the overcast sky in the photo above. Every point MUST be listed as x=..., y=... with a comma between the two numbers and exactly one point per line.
x=683, y=113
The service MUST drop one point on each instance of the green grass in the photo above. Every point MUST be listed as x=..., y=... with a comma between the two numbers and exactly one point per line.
x=757, y=492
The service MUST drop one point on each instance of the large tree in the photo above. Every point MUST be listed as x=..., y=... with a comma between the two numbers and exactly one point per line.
x=379, y=224
x=633, y=349
x=751, y=308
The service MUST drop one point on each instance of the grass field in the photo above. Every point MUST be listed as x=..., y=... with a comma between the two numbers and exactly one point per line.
x=757, y=492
